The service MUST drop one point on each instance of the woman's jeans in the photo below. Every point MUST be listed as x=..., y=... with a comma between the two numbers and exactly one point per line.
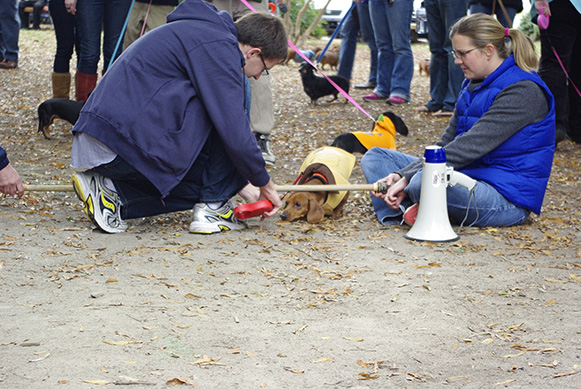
x=9, y=30
x=391, y=26
x=213, y=178
x=445, y=76
x=66, y=35
x=92, y=17
x=487, y=207
x=357, y=21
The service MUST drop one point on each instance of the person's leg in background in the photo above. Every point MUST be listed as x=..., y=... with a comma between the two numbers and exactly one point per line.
x=349, y=38
x=574, y=97
x=37, y=13
x=139, y=15
x=399, y=17
x=369, y=38
x=558, y=36
x=262, y=109
x=114, y=17
x=9, y=34
x=66, y=39
x=386, y=55
x=89, y=25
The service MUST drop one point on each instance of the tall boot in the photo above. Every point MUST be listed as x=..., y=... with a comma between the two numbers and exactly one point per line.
x=61, y=85
x=84, y=84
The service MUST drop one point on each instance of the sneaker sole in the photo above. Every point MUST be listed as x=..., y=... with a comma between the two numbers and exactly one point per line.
x=208, y=229
x=87, y=200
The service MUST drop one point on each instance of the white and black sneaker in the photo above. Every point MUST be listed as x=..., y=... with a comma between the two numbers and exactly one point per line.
x=264, y=144
x=102, y=205
x=209, y=221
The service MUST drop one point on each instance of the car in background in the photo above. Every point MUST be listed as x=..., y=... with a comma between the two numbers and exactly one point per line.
x=337, y=9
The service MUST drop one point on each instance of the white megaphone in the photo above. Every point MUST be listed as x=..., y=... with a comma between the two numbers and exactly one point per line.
x=432, y=223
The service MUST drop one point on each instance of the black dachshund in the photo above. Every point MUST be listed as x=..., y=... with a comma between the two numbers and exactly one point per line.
x=57, y=109
x=316, y=87
x=382, y=134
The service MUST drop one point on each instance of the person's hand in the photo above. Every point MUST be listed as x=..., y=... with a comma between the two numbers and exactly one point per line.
x=395, y=194
x=268, y=192
x=542, y=7
x=10, y=183
x=71, y=6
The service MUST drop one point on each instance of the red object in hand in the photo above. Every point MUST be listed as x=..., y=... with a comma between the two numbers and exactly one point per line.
x=246, y=211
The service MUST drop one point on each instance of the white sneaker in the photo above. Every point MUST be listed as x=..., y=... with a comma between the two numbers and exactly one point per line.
x=102, y=204
x=208, y=221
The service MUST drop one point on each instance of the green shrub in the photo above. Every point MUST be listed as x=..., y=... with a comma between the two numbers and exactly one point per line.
x=308, y=17
x=528, y=27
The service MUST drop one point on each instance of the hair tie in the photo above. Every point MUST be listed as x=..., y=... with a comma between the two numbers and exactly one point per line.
x=506, y=32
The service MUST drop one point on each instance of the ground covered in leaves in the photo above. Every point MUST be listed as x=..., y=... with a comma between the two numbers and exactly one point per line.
x=343, y=304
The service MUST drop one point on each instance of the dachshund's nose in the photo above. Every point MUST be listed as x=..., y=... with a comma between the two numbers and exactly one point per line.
x=283, y=216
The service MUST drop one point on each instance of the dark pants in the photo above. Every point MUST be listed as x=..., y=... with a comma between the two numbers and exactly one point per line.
x=563, y=34
x=37, y=4
x=213, y=178
x=66, y=35
x=94, y=17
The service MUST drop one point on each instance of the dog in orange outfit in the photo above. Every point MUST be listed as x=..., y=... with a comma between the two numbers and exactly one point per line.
x=382, y=135
x=323, y=166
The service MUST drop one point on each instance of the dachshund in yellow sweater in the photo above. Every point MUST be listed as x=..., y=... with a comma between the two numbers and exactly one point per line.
x=323, y=166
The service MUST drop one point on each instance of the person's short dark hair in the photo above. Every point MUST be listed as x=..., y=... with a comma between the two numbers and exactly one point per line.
x=264, y=31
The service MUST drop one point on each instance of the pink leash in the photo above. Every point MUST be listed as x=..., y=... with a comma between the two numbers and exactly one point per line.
x=145, y=20
x=349, y=98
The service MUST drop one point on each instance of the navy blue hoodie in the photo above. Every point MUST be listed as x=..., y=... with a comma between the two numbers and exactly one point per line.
x=158, y=103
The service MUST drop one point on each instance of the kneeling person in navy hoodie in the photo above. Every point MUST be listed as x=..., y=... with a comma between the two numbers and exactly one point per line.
x=167, y=128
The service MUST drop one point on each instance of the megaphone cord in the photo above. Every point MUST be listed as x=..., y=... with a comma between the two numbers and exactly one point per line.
x=472, y=196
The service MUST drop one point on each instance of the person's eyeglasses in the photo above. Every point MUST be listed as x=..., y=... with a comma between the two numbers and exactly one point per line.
x=265, y=70
x=460, y=54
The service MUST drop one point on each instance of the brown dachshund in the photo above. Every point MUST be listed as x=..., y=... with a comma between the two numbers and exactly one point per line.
x=309, y=204
x=424, y=67
x=325, y=165
x=330, y=58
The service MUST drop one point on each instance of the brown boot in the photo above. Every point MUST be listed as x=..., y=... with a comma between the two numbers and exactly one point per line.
x=61, y=85
x=84, y=84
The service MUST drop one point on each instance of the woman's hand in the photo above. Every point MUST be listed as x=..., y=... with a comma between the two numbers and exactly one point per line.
x=542, y=7
x=71, y=6
x=395, y=194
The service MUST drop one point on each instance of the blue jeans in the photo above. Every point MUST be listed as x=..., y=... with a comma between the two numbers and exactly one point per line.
x=9, y=30
x=92, y=17
x=391, y=26
x=486, y=9
x=357, y=21
x=213, y=178
x=445, y=76
x=66, y=35
x=486, y=208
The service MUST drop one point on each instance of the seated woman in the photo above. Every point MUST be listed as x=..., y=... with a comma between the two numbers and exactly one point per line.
x=502, y=134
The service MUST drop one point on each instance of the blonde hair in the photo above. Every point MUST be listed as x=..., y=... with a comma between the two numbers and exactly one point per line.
x=483, y=29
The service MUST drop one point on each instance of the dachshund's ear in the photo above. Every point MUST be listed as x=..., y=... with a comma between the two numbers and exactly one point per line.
x=316, y=212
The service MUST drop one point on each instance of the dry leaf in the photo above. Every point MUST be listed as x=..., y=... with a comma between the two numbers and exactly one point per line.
x=96, y=382
x=322, y=360
x=296, y=371
x=353, y=339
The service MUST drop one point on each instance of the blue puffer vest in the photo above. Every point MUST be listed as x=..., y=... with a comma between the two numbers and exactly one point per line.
x=520, y=167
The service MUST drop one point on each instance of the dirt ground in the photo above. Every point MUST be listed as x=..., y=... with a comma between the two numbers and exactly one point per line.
x=342, y=304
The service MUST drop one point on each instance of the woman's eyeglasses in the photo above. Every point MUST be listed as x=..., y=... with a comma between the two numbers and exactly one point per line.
x=460, y=54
